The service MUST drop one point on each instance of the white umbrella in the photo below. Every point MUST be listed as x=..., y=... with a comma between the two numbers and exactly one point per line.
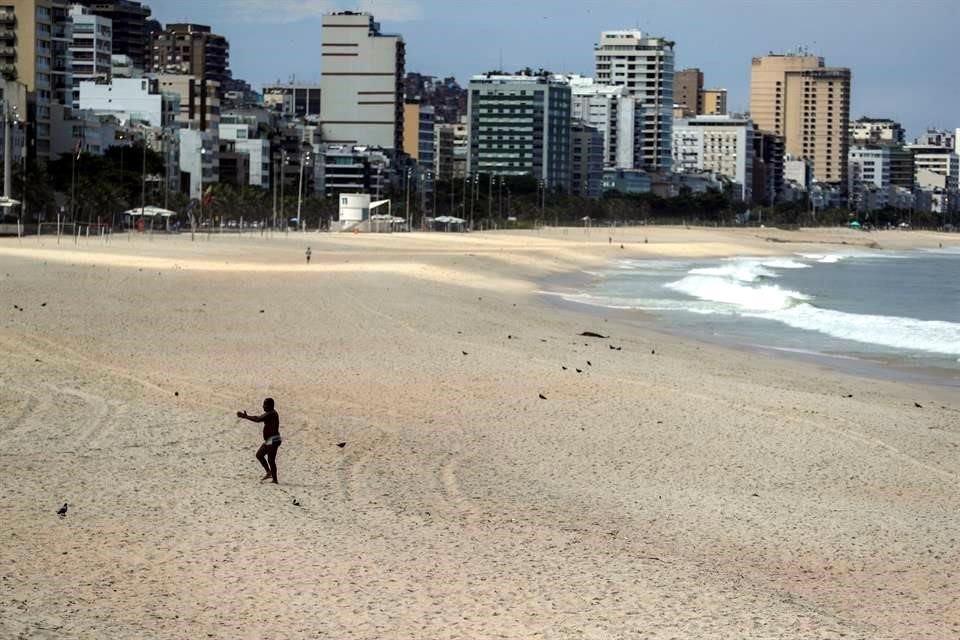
x=6, y=203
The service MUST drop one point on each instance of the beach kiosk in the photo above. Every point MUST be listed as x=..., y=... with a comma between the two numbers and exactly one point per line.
x=355, y=210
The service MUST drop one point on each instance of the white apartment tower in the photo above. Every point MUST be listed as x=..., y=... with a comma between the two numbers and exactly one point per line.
x=642, y=64
x=720, y=144
x=90, y=49
x=361, y=82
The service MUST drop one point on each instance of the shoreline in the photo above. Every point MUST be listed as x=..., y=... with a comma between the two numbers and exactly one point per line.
x=554, y=289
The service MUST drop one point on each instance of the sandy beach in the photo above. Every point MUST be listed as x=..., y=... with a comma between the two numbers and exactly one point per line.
x=672, y=489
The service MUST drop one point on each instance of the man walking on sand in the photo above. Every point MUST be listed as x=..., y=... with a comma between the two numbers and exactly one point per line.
x=308, y=253
x=267, y=453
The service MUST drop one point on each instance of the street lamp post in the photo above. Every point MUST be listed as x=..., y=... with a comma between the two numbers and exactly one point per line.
x=203, y=153
x=283, y=172
x=303, y=155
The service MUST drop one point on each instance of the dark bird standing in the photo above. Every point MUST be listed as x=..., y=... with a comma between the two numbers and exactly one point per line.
x=542, y=397
x=341, y=444
x=62, y=511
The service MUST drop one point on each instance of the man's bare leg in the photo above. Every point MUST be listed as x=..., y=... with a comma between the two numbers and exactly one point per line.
x=262, y=457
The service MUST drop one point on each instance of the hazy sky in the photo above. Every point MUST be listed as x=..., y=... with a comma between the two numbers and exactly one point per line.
x=903, y=55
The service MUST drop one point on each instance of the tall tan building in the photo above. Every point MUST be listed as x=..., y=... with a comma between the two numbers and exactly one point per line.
x=361, y=81
x=688, y=91
x=808, y=103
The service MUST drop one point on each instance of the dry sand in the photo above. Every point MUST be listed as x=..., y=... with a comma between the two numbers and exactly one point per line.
x=694, y=492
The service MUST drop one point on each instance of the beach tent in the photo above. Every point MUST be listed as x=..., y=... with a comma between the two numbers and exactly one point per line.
x=152, y=213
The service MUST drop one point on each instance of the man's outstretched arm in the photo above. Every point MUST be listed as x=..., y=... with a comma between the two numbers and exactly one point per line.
x=245, y=416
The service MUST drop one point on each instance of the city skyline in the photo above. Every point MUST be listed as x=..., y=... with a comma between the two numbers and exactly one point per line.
x=462, y=40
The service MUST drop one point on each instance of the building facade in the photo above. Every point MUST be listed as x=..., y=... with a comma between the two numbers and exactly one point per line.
x=586, y=160
x=767, y=167
x=131, y=99
x=600, y=107
x=719, y=144
x=128, y=21
x=799, y=98
x=246, y=140
x=644, y=65
x=874, y=131
x=714, y=102
x=520, y=125
x=688, y=91
x=190, y=49
x=361, y=82
x=294, y=100
x=90, y=50
x=199, y=100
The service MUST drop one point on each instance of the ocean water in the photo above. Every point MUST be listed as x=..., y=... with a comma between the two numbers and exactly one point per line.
x=873, y=306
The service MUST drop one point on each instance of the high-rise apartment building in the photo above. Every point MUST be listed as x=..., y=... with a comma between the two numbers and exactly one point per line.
x=128, y=20
x=688, y=91
x=599, y=106
x=90, y=49
x=798, y=97
x=190, y=49
x=767, y=167
x=714, y=102
x=199, y=100
x=443, y=152
x=586, y=160
x=362, y=82
x=719, y=144
x=27, y=57
x=520, y=125
x=644, y=65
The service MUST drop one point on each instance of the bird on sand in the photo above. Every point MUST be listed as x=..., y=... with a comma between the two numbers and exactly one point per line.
x=464, y=353
x=918, y=405
x=542, y=397
x=579, y=370
x=341, y=444
x=563, y=367
x=589, y=364
x=62, y=511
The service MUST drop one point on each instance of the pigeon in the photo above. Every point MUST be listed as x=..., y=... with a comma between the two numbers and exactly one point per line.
x=563, y=367
x=262, y=311
x=653, y=352
x=542, y=397
x=593, y=334
x=589, y=364
x=176, y=393
x=509, y=337
x=579, y=370
x=43, y=304
x=918, y=405
x=464, y=353
x=341, y=444
x=849, y=395
x=62, y=511
x=296, y=502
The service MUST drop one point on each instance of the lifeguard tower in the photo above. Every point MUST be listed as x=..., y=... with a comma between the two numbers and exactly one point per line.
x=356, y=214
